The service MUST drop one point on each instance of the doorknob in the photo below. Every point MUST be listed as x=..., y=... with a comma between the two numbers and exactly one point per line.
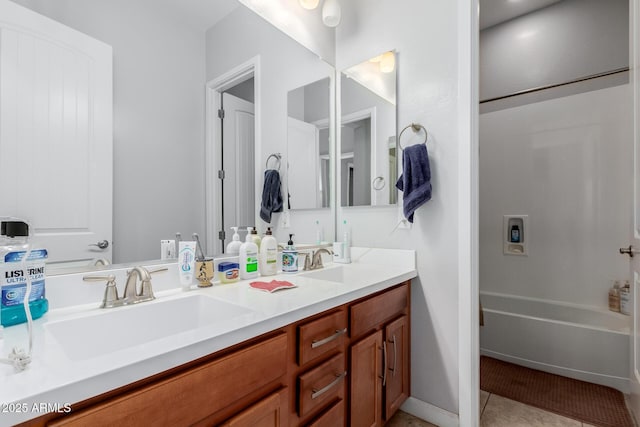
x=104, y=244
x=631, y=251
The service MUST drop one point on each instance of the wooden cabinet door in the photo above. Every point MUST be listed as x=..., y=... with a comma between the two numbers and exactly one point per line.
x=366, y=381
x=397, y=365
x=268, y=412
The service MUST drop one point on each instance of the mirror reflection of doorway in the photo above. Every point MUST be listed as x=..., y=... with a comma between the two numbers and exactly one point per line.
x=238, y=159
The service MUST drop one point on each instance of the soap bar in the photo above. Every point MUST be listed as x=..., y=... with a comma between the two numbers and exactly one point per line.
x=272, y=286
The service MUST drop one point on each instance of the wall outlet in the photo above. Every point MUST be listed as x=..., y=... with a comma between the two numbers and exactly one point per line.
x=286, y=219
x=168, y=249
x=402, y=221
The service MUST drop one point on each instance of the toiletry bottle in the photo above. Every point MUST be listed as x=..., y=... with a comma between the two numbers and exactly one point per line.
x=248, y=259
x=233, y=248
x=268, y=255
x=319, y=233
x=625, y=298
x=255, y=237
x=346, y=240
x=614, y=297
x=515, y=234
x=186, y=263
x=13, y=283
x=290, y=257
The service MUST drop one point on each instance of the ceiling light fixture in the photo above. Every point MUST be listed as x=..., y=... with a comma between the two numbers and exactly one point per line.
x=309, y=4
x=388, y=62
x=331, y=13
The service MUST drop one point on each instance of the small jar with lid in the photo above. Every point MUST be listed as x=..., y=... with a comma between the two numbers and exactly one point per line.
x=228, y=272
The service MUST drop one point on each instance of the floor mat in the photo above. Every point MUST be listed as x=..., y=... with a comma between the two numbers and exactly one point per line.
x=590, y=403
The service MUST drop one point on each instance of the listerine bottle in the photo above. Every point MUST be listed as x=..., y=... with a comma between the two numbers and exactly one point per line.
x=13, y=277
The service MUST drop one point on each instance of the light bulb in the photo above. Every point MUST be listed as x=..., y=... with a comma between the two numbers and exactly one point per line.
x=309, y=4
x=331, y=13
x=388, y=62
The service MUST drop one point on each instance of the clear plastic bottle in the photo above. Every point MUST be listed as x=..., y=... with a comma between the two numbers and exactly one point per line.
x=614, y=297
x=14, y=245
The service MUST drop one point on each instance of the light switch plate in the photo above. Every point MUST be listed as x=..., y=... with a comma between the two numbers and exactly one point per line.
x=286, y=219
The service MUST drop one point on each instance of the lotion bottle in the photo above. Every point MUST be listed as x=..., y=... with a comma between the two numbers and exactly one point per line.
x=268, y=255
x=248, y=258
x=233, y=248
x=625, y=298
x=255, y=237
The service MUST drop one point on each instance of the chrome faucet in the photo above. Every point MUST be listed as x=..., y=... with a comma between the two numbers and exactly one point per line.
x=316, y=260
x=131, y=294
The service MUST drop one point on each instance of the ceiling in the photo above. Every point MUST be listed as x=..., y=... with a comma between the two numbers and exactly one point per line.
x=494, y=12
x=199, y=14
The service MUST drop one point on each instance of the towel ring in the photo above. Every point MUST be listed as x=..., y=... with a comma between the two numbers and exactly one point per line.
x=416, y=127
x=277, y=156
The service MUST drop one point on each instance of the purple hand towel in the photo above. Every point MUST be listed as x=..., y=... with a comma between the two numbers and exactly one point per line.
x=415, y=181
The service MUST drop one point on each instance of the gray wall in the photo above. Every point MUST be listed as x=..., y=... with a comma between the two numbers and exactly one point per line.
x=158, y=76
x=557, y=44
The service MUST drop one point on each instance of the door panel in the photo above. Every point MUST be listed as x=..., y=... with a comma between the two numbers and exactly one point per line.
x=238, y=162
x=366, y=382
x=56, y=133
x=397, y=389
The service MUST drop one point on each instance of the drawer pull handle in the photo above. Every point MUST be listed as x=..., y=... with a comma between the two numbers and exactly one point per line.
x=336, y=335
x=317, y=393
x=383, y=377
x=395, y=355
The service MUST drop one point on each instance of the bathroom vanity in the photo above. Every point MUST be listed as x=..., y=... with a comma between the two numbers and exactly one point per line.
x=333, y=351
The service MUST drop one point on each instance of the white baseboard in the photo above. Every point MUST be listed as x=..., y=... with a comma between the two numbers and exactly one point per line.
x=430, y=413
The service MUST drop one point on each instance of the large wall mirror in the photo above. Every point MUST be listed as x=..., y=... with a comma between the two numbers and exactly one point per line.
x=287, y=71
x=368, y=158
x=308, y=145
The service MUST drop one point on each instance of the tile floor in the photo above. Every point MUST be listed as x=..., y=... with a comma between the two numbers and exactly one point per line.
x=497, y=411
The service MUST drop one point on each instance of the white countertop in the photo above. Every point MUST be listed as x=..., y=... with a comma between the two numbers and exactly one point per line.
x=55, y=379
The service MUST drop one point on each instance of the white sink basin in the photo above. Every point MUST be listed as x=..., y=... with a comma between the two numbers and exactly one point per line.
x=331, y=274
x=123, y=327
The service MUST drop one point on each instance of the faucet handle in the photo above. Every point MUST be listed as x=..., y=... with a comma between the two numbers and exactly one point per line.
x=110, y=292
x=147, y=289
x=307, y=260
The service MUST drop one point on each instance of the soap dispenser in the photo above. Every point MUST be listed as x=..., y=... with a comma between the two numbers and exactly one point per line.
x=290, y=257
x=233, y=248
x=268, y=255
x=248, y=259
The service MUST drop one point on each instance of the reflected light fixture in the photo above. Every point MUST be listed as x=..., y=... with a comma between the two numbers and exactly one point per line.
x=387, y=62
x=309, y=4
x=331, y=13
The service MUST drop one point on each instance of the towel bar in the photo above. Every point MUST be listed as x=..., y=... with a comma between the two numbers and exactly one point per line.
x=416, y=127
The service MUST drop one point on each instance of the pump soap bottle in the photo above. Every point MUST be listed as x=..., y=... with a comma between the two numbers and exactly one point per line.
x=268, y=260
x=233, y=248
x=290, y=257
x=255, y=238
x=248, y=258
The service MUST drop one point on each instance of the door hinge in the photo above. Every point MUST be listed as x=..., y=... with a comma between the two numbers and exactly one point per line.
x=222, y=235
x=221, y=174
x=221, y=113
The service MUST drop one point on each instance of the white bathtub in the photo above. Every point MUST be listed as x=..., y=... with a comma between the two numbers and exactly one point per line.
x=575, y=341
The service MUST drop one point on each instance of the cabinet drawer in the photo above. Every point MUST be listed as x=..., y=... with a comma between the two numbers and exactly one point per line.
x=321, y=384
x=269, y=412
x=191, y=396
x=373, y=312
x=321, y=336
x=332, y=417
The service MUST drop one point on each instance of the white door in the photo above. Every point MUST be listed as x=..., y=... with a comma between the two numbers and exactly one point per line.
x=56, y=133
x=303, y=164
x=238, y=154
x=635, y=235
